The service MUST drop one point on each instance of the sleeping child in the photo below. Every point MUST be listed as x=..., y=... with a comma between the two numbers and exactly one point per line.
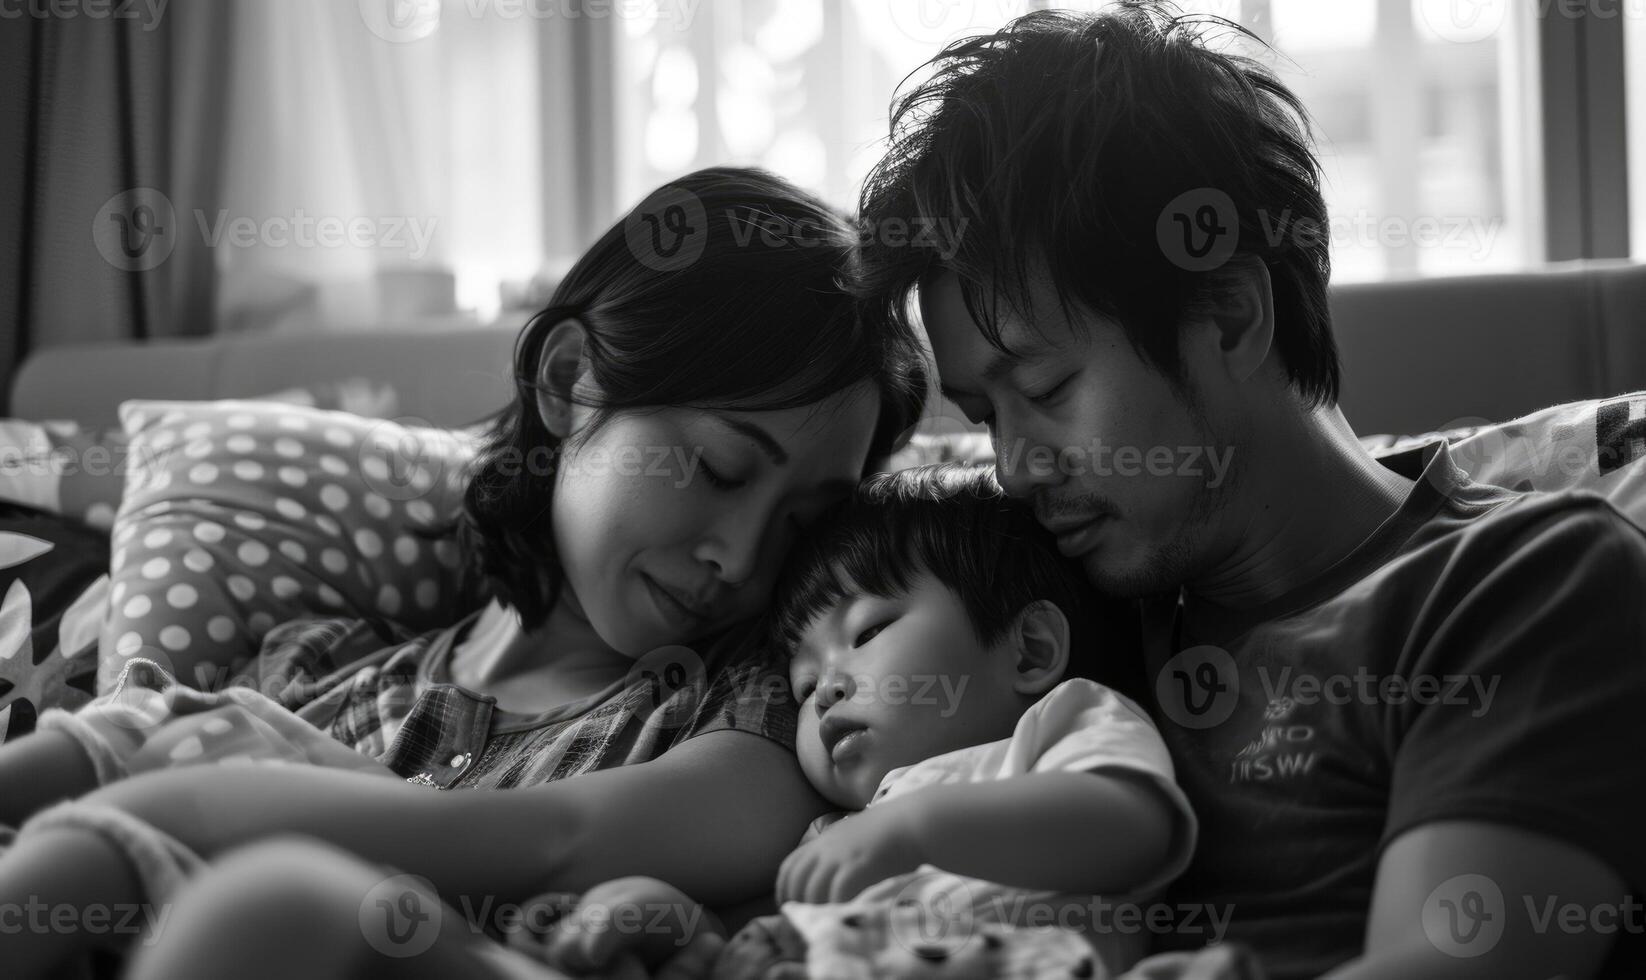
x=944, y=657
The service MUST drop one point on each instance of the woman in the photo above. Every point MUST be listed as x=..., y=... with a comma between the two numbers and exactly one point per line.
x=747, y=370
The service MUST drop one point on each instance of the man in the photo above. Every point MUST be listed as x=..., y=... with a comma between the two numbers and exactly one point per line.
x=1404, y=705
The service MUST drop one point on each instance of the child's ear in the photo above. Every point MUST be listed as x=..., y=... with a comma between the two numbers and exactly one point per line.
x=562, y=363
x=1041, y=639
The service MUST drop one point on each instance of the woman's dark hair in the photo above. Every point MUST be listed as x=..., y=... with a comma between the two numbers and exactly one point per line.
x=954, y=521
x=729, y=288
x=1065, y=142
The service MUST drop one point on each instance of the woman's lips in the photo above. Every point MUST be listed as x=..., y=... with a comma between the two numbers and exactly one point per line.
x=673, y=610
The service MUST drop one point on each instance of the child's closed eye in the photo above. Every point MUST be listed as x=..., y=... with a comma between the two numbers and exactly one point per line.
x=869, y=634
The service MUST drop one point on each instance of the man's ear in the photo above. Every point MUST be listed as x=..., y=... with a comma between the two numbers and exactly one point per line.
x=1040, y=640
x=1242, y=320
x=559, y=367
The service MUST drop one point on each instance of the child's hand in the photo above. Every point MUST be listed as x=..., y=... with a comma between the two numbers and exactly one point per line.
x=621, y=926
x=852, y=854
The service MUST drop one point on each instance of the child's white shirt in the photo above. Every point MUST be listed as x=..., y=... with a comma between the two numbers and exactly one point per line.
x=1079, y=726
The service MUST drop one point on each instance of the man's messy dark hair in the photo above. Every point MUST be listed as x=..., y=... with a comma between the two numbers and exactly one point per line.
x=954, y=521
x=1064, y=141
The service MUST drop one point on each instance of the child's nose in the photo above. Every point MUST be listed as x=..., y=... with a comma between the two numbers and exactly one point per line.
x=831, y=689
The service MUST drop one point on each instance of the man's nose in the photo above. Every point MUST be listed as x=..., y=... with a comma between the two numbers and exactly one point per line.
x=1023, y=464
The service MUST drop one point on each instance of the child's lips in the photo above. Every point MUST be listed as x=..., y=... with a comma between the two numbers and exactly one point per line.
x=848, y=746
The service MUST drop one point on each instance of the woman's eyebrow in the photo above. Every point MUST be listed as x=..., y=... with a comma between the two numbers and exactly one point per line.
x=762, y=438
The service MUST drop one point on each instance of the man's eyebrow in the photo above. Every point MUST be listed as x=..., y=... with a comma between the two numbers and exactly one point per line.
x=999, y=365
x=762, y=438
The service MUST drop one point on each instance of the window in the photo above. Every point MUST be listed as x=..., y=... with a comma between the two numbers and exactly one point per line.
x=1426, y=116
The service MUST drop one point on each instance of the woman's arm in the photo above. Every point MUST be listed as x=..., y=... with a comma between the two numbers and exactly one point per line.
x=714, y=816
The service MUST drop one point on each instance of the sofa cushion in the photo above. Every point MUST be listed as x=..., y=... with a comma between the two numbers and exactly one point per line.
x=238, y=515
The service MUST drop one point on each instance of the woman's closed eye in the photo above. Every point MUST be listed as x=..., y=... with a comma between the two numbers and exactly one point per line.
x=716, y=479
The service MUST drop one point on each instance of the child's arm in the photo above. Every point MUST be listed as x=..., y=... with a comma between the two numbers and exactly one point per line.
x=714, y=815
x=1082, y=832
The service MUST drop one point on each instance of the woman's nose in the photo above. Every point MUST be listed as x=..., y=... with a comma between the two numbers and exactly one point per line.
x=734, y=547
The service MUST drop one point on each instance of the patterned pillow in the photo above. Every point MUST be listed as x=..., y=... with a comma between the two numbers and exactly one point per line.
x=1595, y=445
x=238, y=515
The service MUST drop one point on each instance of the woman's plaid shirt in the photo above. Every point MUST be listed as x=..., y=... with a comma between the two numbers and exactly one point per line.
x=388, y=694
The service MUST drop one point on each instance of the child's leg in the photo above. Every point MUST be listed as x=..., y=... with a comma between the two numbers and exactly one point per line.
x=38, y=770
x=298, y=908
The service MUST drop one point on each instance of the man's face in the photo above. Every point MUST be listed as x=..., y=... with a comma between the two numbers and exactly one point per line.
x=1114, y=458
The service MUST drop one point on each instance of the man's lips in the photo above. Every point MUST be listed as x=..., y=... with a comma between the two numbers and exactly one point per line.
x=1075, y=535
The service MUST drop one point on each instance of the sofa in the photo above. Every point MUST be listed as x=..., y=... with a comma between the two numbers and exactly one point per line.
x=1418, y=355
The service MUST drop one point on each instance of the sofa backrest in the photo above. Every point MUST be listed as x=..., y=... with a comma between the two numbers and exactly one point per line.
x=1417, y=355
x=1431, y=354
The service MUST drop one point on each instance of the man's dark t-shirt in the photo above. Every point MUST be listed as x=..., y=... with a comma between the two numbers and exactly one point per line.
x=1480, y=657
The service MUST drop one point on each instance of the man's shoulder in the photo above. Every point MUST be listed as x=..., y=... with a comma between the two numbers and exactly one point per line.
x=1543, y=522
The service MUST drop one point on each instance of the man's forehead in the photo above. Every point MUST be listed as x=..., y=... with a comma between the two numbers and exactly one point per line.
x=961, y=347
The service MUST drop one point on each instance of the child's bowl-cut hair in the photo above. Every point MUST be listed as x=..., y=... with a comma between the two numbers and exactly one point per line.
x=954, y=521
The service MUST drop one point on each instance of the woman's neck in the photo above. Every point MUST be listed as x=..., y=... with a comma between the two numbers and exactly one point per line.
x=561, y=660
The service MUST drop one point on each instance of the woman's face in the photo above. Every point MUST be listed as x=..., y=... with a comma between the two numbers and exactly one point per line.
x=672, y=523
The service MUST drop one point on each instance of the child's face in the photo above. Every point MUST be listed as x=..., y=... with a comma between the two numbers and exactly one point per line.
x=885, y=683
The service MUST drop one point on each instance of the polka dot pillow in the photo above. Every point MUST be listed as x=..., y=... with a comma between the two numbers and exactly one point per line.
x=238, y=515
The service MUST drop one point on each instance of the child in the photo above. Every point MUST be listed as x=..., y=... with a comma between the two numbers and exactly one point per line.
x=946, y=659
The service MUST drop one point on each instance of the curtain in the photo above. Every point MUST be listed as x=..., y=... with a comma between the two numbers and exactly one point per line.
x=116, y=135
